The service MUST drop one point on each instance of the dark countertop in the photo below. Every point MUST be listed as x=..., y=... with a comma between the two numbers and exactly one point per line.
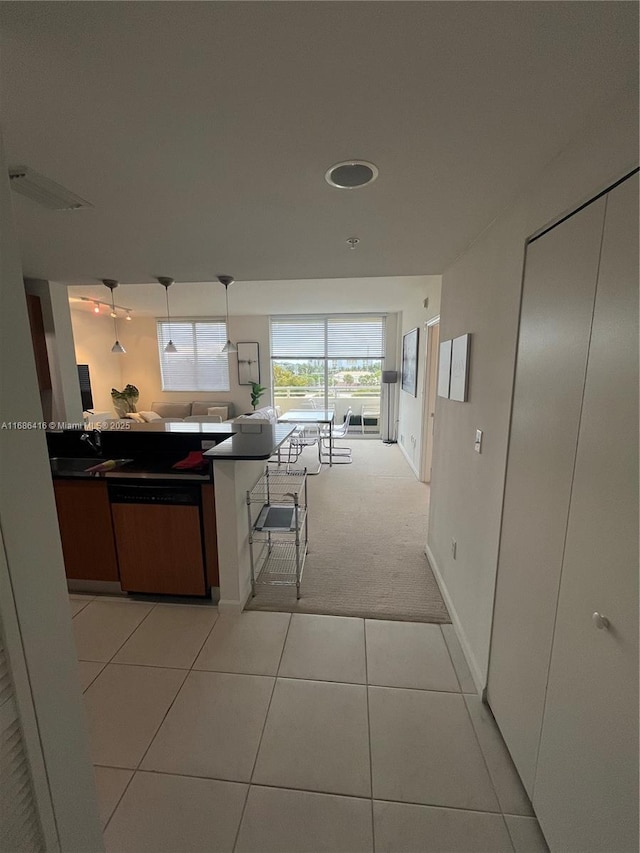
x=251, y=441
x=138, y=471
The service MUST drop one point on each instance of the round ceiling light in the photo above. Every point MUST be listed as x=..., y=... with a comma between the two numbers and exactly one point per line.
x=351, y=174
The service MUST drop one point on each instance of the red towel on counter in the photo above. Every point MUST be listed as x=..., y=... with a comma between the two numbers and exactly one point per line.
x=194, y=459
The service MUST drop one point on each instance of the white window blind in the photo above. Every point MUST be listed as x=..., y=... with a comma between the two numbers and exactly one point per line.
x=199, y=363
x=327, y=337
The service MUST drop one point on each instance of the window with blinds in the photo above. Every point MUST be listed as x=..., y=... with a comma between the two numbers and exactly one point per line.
x=198, y=363
x=349, y=337
x=331, y=361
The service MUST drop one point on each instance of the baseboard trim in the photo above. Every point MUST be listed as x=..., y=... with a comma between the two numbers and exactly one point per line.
x=474, y=669
x=409, y=460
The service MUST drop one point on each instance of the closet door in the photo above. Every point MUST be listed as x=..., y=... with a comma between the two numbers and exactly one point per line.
x=557, y=305
x=586, y=788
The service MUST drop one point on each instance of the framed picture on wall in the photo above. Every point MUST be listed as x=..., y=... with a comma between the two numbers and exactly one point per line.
x=459, y=368
x=444, y=369
x=410, y=362
x=248, y=362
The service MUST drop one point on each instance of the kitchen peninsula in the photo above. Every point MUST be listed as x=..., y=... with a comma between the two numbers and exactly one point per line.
x=144, y=526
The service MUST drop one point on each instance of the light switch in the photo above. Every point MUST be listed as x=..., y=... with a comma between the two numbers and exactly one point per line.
x=477, y=445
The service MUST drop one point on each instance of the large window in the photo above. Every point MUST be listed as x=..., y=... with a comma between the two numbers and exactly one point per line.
x=198, y=363
x=328, y=361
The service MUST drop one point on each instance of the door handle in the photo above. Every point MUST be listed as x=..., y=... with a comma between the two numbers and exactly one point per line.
x=600, y=621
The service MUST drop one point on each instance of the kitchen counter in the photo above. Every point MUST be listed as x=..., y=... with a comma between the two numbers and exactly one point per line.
x=251, y=442
x=135, y=470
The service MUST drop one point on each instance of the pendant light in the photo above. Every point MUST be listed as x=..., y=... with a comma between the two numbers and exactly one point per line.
x=226, y=280
x=112, y=284
x=166, y=283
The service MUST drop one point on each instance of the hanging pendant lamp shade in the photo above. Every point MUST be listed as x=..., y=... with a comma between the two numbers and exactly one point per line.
x=166, y=282
x=111, y=283
x=226, y=280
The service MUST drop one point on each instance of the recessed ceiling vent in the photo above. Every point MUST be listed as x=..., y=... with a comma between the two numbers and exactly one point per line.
x=351, y=174
x=44, y=191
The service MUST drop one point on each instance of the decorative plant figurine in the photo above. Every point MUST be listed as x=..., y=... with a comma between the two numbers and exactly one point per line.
x=257, y=391
x=125, y=400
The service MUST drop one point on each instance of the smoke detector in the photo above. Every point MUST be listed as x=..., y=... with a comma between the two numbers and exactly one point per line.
x=351, y=174
x=43, y=190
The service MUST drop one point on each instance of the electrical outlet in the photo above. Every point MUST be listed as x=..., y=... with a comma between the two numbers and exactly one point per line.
x=477, y=444
x=454, y=548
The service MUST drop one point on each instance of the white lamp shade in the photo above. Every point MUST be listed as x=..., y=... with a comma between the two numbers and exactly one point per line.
x=171, y=347
x=229, y=347
x=117, y=347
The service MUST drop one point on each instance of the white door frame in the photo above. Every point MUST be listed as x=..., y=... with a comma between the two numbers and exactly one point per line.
x=427, y=422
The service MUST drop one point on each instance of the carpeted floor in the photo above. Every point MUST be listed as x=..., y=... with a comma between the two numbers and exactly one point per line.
x=367, y=533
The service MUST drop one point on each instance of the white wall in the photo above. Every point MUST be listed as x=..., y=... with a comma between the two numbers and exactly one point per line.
x=481, y=295
x=411, y=409
x=34, y=558
x=94, y=336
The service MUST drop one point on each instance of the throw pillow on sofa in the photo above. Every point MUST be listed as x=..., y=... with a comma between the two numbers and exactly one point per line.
x=221, y=412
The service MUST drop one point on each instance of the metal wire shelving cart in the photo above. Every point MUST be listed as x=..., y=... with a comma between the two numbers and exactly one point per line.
x=278, y=538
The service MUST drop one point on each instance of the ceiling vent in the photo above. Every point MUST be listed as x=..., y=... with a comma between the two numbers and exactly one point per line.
x=351, y=174
x=43, y=190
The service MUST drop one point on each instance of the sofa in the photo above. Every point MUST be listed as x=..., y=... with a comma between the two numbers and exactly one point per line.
x=203, y=411
x=264, y=415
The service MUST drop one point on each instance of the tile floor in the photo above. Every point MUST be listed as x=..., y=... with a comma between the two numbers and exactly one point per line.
x=292, y=734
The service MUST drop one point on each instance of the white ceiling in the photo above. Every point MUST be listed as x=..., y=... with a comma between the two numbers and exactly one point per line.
x=201, y=131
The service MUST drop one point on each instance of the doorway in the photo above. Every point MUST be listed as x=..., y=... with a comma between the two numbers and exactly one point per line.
x=432, y=351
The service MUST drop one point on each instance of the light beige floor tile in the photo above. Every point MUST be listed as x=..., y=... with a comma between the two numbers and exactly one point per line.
x=89, y=670
x=512, y=796
x=125, y=706
x=402, y=828
x=171, y=635
x=214, y=727
x=110, y=782
x=176, y=814
x=408, y=654
x=526, y=834
x=316, y=738
x=103, y=626
x=467, y=684
x=325, y=648
x=424, y=750
x=277, y=820
x=250, y=643
x=78, y=603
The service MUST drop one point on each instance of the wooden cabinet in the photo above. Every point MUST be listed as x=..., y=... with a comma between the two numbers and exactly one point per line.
x=84, y=517
x=563, y=685
x=147, y=547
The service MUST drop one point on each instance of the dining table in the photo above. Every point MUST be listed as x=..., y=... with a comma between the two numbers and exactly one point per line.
x=306, y=417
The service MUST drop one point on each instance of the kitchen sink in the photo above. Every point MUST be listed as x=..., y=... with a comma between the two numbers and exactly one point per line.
x=78, y=466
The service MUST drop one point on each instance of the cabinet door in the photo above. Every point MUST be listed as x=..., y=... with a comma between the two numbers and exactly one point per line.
x=557, y=305
x=159, y=548
x=586, y=789
x=84, y=518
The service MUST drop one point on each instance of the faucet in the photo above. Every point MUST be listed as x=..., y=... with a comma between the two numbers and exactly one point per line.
x=96, y=443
